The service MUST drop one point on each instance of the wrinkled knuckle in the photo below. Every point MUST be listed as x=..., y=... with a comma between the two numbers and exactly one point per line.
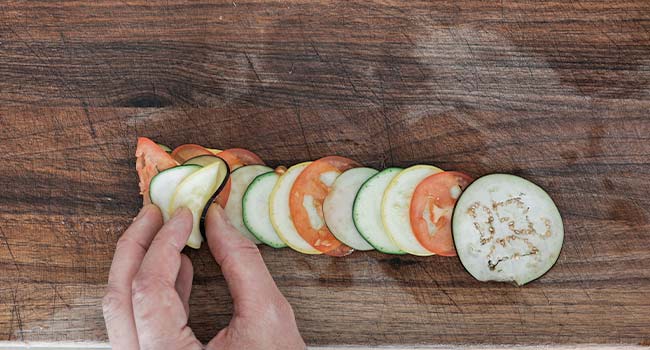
x=112, y=302
x=144, y=286
x=124, y=240
x=243, y=250
x=279, y=310
x=250, y=251
x=127, y=242
x=246, y=245
x=284, y=308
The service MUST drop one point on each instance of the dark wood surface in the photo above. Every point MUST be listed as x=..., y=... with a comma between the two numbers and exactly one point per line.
x=557, y=92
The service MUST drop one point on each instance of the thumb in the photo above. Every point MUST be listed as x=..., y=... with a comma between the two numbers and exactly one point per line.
x=248, y=279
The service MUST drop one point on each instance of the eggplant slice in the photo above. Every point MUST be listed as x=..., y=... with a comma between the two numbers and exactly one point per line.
x=507, y=229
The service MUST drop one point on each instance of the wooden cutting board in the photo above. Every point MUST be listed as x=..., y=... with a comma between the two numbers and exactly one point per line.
x=557, y=92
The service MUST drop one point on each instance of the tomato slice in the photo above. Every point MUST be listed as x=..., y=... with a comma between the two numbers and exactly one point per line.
x=236, y=158
x=306, y=203
x=432, y=206
x=222, y=198
x=150, y=160
x=187, y=151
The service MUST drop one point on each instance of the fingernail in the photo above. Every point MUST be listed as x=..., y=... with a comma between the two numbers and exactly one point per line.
x=142, y=212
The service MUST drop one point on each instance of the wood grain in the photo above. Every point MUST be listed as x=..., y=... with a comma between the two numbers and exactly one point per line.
x=556, y=92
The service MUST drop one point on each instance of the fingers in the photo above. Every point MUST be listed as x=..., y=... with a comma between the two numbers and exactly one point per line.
x=242, y=265
x=184, y=282
x=157, y=306
x=131, y=249
x=163, y=258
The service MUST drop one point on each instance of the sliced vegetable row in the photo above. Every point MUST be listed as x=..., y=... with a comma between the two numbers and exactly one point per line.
x=507, y=230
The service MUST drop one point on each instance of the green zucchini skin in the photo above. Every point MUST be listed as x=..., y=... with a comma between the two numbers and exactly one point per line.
x=366, y=211
x=240, y=180
x=255, y=209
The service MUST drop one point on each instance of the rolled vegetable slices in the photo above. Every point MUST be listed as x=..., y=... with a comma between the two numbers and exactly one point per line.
x=502, y=227
x=196, y=192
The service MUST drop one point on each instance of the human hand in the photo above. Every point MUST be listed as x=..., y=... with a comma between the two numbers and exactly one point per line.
x=147, y=300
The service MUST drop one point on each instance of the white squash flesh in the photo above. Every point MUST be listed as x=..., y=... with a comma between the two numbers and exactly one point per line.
x=395, y=207
x=163, y=186
x=281, y=214
x=195, y=192
x=337, y=207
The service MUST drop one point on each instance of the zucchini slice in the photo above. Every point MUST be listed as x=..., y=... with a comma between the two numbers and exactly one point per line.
x=366, y=211
x=337, y=207
x=255, y=209
x=241, y=178
x=396, y=204
x=506, y=228
x=281, y=213
x=163, y=186
x=196, y=192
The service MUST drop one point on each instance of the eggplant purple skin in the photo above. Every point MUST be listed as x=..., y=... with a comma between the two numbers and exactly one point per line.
x=212, y=198
x=461, y=260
